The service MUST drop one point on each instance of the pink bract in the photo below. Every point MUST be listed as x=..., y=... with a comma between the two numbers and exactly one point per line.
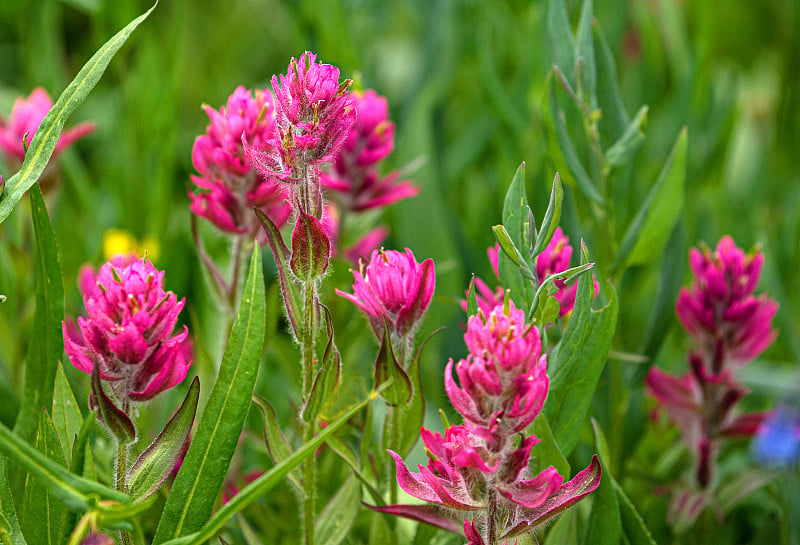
x=392, y=285
x=26, y=116
x=127, y=333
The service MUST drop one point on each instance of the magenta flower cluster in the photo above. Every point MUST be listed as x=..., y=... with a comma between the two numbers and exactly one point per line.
x=730, y=327
x=17, y=132
x=229, y=184
x=554, y=259
x=393, y=287
x=127, y=335
x=503, y=387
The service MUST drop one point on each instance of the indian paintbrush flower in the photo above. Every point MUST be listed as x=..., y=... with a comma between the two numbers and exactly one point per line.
x=229, y=185
x=127, y=334
x=27, y=114
x=393, y=286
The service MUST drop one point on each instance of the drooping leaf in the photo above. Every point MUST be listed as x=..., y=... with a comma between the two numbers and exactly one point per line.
x=154, y=465
x=650, y=229
x=387, y=368
x=259, y=487
x=67, y=417
x=292, y=297
x=205, y=466
x=46, y=137
x=605, y=524
x=578, y=361
x=46, y=346
x=277, y=446
x=42, y=515
x=334, y=523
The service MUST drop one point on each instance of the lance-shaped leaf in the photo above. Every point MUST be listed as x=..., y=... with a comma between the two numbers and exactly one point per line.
x=515, y=274
x=547, y=286
x=428, y=514
x=585, y=183
x=570, y=493
x=42, y=516
x=341, y=449
x=609, y=97
x=334, y=523
x=328, y=376
x=277, y=445
x=387, y=368
x=203, y=471
x=578, y=361
x=517, y=213
x=67, y=417
x=311, y=248
x=292, y=297
x=154, y=465
x=8, y=509
x=622, y=151
x=605, y=524
x=551, y=217
x=47, y=346
x=117, y=422
x=584, y=56
x=472, y=298
x=652, y=226
x=259, y=487
x=559, y=36
x=46, y=137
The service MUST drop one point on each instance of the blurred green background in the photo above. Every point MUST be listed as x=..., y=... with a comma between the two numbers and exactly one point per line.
x=466, y=83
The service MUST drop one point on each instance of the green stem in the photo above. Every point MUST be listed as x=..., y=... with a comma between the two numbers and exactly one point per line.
x=120, y=484
x=309, y=468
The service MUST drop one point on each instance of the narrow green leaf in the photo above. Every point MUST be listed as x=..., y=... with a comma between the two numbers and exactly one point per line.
x=516, y=213
x=343, y=451
x=546, y=311
x=42, y=516
x=649, y=231
x=74, y=491
x=113, y=418
x=335, y=521
x=584, y=55
x=46, y=137
x=578, y=361
x=47, y=345
x=154, y=465
x=328, y=376
x=8, y=508
x=472, y=298
x=605, y=524
x=507, y=245
x=387, y=368
x=609, y=97
x=292, y=297
x=547, y=452
x=565, y=530
x=258, y=488
x=277, y=446
x=67, y=417
x=559, y=34
x=629, y=142
x=203, y=471
x=551, y=217
x=633, y=525
x=585, y=184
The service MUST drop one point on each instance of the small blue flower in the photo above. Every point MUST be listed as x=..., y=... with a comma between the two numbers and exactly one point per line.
x=777, y=442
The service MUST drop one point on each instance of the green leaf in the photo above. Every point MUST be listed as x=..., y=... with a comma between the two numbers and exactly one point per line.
x=113, y=418
x=277, y=446
x=42, y=516
x=292, y=297
x=311, y=248
x=585, y=184
x=629, y=142
x=203, y=471
x=154, y=465
x=46, y=137
x=516, y=213
x=584, y=55
x=8, y=509
x=515, y=275
x=67, y=417
x=387, y=368
x=635, y=529
x=578, y=361
x=650, y=230
x=74, y=491
x=258, y=488
x=472, y=298
x=559, y=34
x=551, y=218
x=47, y=344
x=335, y=521
x=328, y=376
x=605, y=524
x=343, y=451
x=565, y=530
x=609, y=98
x=547, y=452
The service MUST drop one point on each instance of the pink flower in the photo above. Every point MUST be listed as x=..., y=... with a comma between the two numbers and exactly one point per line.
x=354, y=178
x=719, y=311
x=127, y=332
x=555, y=258
x=26, y=116
x=395, y=287
x=230, y=186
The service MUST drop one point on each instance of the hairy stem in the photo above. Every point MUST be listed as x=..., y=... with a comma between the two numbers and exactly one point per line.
x=309, y=469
